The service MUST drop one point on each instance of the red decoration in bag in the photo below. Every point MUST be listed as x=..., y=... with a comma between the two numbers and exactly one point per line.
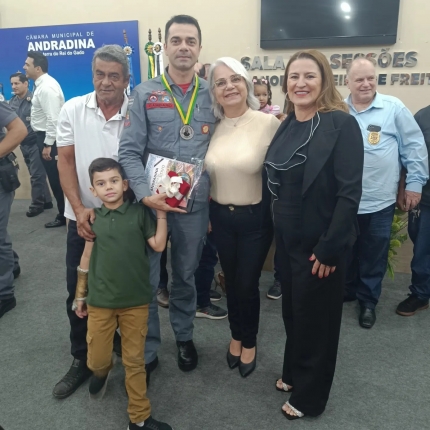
x=175, y=187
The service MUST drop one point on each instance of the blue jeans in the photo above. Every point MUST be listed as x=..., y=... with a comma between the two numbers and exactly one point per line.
x=368, y=262
x=419, y=232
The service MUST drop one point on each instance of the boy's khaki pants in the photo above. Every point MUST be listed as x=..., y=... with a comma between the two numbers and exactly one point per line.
x=102, y=323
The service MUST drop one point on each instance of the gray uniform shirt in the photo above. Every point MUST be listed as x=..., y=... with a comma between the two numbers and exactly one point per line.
x=22, y=107
x=7, y=115
x=153, y=124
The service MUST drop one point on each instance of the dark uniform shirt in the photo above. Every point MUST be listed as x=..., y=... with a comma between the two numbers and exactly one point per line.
x=7, y=115
x=23, y=109
x=119, y=266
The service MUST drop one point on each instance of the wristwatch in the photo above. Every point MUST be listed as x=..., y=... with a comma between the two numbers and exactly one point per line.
x=46, y=146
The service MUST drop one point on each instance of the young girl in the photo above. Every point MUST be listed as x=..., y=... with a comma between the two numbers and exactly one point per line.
x=264, y=95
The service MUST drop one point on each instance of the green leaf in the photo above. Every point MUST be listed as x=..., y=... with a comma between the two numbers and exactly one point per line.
x=395, y=227
x=395, y=243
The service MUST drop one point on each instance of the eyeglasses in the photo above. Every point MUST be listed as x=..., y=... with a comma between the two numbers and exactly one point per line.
x=234, y=80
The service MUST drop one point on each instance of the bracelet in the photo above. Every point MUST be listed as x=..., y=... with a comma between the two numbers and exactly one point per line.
x=161, y=218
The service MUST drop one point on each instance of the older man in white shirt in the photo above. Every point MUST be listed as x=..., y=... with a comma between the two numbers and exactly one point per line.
x=89, y=127
x=48, y=98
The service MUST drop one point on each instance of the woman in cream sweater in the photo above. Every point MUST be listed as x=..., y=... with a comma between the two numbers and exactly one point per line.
x=234, y=162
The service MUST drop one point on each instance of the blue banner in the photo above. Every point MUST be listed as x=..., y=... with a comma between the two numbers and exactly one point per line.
x=69, y=50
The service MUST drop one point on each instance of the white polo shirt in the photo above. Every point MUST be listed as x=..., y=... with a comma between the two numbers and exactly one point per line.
x=81, y=123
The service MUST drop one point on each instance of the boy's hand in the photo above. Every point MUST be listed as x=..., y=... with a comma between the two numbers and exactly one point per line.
x=81, y=310
x=158, y=202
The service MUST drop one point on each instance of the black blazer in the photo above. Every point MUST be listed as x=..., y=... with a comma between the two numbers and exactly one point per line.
x=331, y=184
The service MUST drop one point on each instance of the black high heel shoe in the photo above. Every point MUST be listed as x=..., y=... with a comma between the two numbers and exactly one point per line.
x=232, y=360
x=246, y=369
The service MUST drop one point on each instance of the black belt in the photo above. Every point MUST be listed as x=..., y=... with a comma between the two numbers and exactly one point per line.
x=239, y=209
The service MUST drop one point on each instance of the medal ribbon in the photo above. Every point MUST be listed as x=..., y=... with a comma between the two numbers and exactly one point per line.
x=186, y=118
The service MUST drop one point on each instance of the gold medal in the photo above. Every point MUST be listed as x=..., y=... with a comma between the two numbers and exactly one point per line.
x=374, y=137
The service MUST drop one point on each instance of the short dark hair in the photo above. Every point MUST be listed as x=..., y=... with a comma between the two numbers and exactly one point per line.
x=183, y=19
x=104, y=164
x=19, y=75
x=39, y=60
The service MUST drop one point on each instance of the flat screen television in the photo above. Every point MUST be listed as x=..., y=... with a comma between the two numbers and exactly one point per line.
x=314, y=23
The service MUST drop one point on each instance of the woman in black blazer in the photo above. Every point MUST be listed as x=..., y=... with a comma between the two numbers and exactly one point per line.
x=314, y=169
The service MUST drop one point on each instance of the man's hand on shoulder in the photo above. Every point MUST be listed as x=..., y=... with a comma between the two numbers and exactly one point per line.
x=83, y=218
x=158, y=202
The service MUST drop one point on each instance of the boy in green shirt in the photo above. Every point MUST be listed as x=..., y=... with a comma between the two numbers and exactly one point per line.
x=113, y=287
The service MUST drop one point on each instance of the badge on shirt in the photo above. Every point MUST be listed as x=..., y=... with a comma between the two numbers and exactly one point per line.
x=205, y=129
x=159, y=99
x=374, y=134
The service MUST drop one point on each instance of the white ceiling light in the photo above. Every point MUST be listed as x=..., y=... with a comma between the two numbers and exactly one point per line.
x=345, y=7
x=347, y=17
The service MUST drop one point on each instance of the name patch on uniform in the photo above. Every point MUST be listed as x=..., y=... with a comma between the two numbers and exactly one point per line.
x=205, y=129
x=159, y=99
x=159, y=105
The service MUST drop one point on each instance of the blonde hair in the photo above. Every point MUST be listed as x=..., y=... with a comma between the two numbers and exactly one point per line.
x=330, y=98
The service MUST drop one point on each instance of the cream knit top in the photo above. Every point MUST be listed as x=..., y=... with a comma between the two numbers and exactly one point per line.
x=235, y=157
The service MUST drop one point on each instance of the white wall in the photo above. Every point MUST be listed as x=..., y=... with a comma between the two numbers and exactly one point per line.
x=230, y=28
